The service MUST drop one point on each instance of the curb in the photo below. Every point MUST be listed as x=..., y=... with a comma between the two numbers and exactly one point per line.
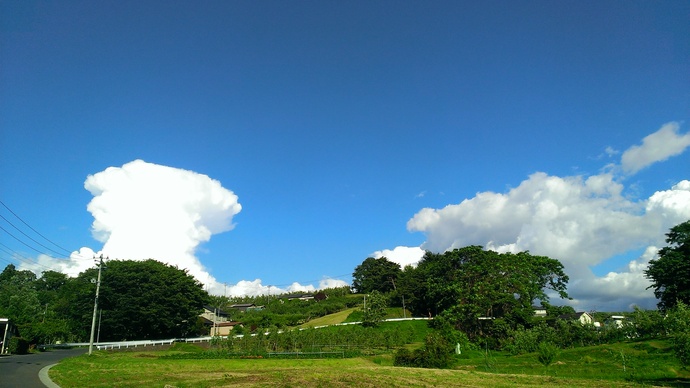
x=45, y=379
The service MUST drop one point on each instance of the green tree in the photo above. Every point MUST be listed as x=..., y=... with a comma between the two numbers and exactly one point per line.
x=670, y=273
x=376, y=274
x=374, y=311
x=470, y=284
x=142, y=300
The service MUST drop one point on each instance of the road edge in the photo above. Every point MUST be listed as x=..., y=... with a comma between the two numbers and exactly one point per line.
x=45, y=379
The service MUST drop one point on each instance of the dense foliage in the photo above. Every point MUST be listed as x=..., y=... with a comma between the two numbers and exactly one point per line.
x=148, y=300
x=468, y=284
x=375, y=275
x=670, y=273
x=139, y=300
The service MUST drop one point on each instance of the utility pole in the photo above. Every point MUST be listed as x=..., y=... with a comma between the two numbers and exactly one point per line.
x=95, y=303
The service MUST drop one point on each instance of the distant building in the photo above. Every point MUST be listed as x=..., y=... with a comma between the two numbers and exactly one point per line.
x=298, y=297
x=581, y=317
x=615, y=321
x=244, y=307
x=7, y=331
x=214, y=314
x=223, y=328
x=539, y=311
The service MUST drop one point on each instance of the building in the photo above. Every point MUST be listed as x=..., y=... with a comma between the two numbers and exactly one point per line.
x=7, y=331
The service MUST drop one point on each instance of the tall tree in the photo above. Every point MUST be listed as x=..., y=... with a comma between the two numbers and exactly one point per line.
x=670, y=273
x=470, y=283
x=376, y=274
x=143, y=300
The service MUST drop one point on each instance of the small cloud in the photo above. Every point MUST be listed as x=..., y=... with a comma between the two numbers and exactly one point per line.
x=610, y=151
x=404, y=256
x=421, y=195
x=656, y=147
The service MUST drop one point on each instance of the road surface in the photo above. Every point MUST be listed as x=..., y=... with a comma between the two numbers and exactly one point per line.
x=21, y=371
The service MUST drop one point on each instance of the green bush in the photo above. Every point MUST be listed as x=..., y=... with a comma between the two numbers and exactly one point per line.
x=404, y=357
x=18, y=345
x=547, y=353
x=436, y=353
x=681, y=348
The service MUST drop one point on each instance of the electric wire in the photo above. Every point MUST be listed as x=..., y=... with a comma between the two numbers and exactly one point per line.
x=34, y=230
x=29, y=237
x=23, y=259
x=61, y=256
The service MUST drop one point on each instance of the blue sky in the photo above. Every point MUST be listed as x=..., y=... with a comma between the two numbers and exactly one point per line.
x=335, y=124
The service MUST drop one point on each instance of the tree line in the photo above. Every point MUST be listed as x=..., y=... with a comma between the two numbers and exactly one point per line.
x=484, y=295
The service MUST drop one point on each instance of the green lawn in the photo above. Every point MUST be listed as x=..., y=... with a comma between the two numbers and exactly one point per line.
x=146, y=369
x=330, y=319
x=613, y=365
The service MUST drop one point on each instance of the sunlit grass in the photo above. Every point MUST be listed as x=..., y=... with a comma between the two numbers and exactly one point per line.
x=146, y=369
x=330, y=319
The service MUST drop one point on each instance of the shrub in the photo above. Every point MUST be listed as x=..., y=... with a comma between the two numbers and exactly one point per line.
x=404, y=357
x=18, y=345
x=436, y=353
x=547, y=353
x=681, y=348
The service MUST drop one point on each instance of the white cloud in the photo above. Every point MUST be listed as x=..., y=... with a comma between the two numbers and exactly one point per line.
x=143, y=210
x=256, y=288
x=610, y=151
x=332, y=283
x=581, y=221
x=404, y=256
x=658, y=146
x=617, y=290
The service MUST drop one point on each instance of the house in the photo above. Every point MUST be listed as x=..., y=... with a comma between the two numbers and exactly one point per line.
x=298, y=297
x=214, y=314
x=615, y=321
x=7, y=331
x=244, y=307
x=582, y=317
x=539, y=311
x=223, y=328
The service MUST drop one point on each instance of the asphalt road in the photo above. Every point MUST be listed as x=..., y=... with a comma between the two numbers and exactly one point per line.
x=21, y=371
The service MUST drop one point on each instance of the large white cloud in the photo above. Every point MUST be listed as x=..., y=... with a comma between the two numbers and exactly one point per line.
x=581, y=221
x=658, y=146
x=148, y=211
x=144, y=210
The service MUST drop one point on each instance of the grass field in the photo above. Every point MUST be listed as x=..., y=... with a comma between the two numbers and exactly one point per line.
x=331, y=319
x=146, y=369
x=620, y=365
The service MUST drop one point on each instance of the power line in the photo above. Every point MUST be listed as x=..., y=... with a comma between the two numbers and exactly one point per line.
x=23, y=259
x=35, y=231
x=29, y=237
x=61, y=256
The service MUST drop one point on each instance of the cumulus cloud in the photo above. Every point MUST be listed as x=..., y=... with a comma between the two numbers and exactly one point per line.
x=404, y=256
x=581, y=221
x=658, y=146
x=144, y=210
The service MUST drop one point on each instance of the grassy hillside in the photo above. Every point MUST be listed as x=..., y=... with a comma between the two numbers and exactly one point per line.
x=330, y=319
